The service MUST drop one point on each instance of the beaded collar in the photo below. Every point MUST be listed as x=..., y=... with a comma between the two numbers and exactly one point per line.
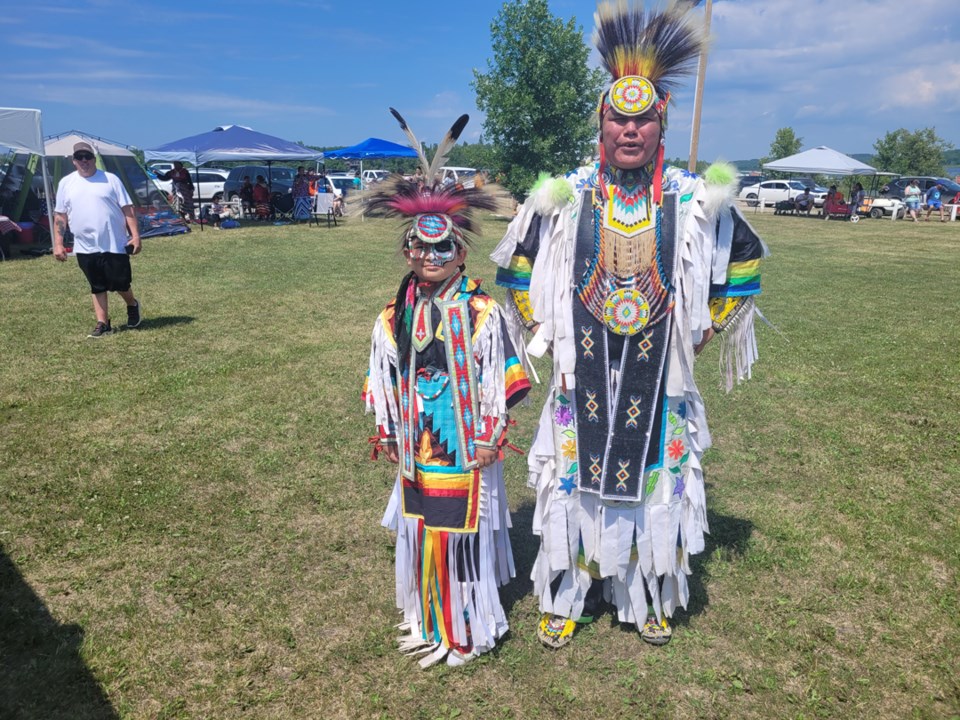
x=625, y=285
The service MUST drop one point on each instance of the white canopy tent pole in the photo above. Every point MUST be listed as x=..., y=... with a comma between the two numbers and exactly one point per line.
x=22, y=129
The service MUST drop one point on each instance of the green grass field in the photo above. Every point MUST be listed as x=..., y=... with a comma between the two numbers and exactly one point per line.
x=189, y=520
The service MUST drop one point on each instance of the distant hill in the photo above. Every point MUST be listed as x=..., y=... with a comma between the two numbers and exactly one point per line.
x=747, y=165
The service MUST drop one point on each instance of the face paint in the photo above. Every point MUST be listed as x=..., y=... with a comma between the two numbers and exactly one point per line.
x=437, y=254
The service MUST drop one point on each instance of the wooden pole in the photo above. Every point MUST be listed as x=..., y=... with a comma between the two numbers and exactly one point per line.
x=698, y=95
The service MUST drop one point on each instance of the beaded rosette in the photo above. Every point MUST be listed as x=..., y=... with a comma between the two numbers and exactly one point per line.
x=632, y=95
x=626, y=311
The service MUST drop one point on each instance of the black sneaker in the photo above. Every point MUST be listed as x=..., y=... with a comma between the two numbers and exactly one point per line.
x=133, y=315
x=101, y=329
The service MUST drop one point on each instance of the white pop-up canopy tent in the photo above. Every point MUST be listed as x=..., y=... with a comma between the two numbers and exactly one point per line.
x=21, y=129
x=820, y=161
x=826, y=161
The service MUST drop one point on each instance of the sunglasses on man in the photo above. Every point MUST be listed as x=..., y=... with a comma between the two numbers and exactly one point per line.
x=80, y=157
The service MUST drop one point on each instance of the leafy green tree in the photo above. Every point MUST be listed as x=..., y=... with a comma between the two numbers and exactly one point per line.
x=478, y=155
x=785, y=144
x=702, y=165
x=911, y=153
x=538, y=94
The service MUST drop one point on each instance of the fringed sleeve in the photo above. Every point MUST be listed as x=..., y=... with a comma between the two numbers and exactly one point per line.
x=503, y=382
x=380, y=396
x=734, y=286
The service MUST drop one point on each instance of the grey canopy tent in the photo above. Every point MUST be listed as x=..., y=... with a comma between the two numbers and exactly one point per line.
x=820, y=161
x=231, y=143
x=827, y=161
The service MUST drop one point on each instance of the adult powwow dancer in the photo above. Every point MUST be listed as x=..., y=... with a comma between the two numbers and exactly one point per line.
x=623, y=271
x=443, y=374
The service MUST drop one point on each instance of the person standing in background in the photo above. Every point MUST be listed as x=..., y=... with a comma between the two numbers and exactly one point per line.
x=100, y=214
x=911, y=197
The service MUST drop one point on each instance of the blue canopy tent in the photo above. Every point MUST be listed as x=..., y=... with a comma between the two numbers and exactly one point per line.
x=371, y=149
x=231, y=142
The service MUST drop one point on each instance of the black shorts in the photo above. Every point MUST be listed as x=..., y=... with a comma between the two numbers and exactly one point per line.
x=106, y=271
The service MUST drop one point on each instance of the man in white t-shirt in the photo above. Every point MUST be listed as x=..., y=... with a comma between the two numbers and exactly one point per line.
x=100, y=214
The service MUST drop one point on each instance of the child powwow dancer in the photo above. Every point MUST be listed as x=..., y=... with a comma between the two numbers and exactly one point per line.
x=442, y=375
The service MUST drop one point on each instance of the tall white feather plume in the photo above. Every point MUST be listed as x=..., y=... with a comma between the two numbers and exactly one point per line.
x=445, y=146
x=414, y=143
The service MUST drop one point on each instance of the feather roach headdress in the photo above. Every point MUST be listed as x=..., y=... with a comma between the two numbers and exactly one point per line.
x=646, y=52
x=434, y=211
x=431, y=212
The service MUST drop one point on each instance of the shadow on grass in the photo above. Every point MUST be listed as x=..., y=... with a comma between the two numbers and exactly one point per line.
x=42, y=676
x=155, y=323
x=525, y=545
x=729, y=534
x=23, y=252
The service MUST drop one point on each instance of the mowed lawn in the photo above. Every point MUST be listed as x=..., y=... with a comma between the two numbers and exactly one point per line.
x=189, y=518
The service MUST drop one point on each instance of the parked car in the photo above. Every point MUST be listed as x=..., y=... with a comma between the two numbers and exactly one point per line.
x=160, y=167
x=770, y=192
x=895, y=188
x=211, y=182
x=342, y=182
x=280, y=178
x=374, y=176
x=745, y=180
x=462, y=175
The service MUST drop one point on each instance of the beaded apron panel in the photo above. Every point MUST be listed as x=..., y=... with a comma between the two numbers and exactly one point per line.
x=618, y=434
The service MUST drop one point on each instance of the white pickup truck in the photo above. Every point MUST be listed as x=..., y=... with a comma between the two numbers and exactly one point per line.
x=370, y=177
x=453, y=175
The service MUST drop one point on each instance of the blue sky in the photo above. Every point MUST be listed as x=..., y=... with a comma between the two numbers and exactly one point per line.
x=840, y=74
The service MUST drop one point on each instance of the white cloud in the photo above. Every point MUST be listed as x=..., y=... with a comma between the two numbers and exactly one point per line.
x=78, y=43
x=841, y=74
x=193, y=101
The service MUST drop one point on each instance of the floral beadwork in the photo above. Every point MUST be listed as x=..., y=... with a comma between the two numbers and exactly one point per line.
x=675, y=449
x=678, y=488
x=563, y=415
x=652, y=480
x=565, y=435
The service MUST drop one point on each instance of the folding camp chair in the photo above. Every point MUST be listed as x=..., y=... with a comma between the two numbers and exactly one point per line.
x=282, y=206
x=323, y=206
